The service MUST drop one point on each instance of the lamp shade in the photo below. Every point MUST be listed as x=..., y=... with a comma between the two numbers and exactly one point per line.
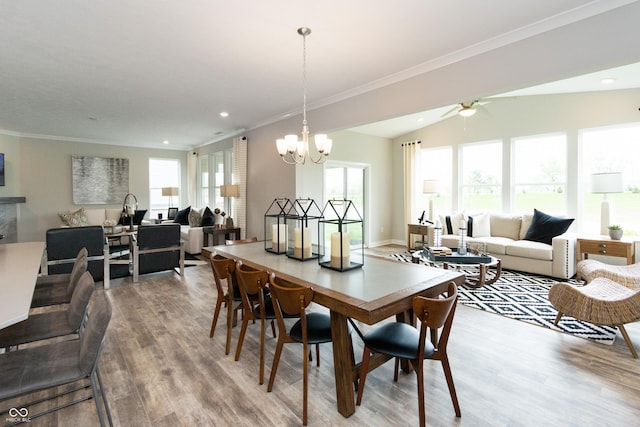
x=169, y=191
x=431, y=186
x=230, y=190
x=610, y=182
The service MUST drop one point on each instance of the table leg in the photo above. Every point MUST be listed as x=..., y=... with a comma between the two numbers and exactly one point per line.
x=343, y=364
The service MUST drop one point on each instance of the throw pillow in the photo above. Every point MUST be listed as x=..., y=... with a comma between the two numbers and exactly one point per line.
x=74, y=219
x=195, y=217
x=479, y=225
x=451, y=223
x=182, y=217
x=208, y=219
x=137, y=217
x=545, y=227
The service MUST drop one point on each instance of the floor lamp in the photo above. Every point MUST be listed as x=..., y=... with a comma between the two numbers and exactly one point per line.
x=431, y=187
x=605, y=183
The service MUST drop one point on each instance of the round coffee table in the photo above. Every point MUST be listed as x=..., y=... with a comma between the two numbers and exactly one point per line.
x=488, y=270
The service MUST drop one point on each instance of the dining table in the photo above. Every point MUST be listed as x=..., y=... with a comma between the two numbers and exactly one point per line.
x=19, y=267
x=380, y=289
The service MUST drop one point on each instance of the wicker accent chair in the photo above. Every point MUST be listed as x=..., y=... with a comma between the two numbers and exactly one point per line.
x=602, y=302
x=627, y=275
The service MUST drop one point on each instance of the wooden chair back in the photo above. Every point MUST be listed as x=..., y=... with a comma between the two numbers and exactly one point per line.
x=223, y=269
x=292, y=299
x=434, y=314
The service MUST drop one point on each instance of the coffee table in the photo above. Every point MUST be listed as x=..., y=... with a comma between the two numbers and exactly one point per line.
x=489, y=267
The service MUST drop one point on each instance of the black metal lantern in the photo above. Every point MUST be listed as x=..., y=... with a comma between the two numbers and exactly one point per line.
x=275, y=227
x=341, y=233
x=302, y=229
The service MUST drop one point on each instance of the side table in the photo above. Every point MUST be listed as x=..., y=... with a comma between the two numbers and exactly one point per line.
x=422, y=230
x=604, y=246
x=216, y=232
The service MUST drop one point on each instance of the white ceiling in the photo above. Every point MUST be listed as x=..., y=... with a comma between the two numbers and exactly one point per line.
x=137, y=73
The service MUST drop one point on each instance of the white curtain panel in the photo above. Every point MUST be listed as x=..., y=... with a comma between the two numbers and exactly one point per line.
x=240, y=178
x=411, y=156
x=192, y=179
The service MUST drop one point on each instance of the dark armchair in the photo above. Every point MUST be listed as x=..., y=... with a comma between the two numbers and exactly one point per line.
x=63, y=245
x=157, y=248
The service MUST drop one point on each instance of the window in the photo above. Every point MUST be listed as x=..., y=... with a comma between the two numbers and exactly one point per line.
x=214, y=170
x=346, y=182
x=163, y=173
x=539, y=171
x=481, y=176
x=611, y=149
x=437, y=164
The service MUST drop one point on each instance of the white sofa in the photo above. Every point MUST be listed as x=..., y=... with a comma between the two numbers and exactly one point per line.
x=192, y=235
x=504, y=237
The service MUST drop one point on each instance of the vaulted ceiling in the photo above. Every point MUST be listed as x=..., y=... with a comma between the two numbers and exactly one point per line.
x=142, y=72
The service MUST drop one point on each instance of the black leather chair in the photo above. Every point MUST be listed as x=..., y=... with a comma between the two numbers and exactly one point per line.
x=63, y=245
x=157, y=248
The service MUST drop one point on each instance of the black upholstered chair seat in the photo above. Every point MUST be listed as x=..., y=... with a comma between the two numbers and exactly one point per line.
x=398, y=340
x=318, y=329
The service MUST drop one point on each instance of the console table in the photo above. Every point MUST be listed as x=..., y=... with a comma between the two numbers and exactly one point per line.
x=419, y=229
x=216, y=232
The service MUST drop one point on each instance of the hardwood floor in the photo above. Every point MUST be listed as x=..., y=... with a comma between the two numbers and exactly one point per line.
x=160, y=368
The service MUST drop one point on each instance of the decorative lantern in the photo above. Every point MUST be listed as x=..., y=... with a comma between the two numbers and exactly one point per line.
x=341, y=234
x=302, y=229
x=275, y=227
x=462, y=246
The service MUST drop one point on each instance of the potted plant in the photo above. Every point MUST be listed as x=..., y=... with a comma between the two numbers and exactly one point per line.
x=615, y=232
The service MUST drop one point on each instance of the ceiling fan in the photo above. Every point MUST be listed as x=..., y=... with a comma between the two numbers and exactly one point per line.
x=466, y=109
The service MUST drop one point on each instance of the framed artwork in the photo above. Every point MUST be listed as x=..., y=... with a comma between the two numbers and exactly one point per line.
x=172, y=213
x=99, y=180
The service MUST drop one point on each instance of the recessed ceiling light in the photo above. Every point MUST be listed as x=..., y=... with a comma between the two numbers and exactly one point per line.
x=421, y=119
x=224, y=114
x=607, y=81
x=165, y=142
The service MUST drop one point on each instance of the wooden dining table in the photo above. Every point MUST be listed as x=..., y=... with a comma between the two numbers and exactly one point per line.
x=381, y=288
x=19, y=267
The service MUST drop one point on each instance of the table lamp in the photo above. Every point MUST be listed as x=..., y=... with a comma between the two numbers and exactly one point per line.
x=170, y=192
x=431, y=187
x=605, y=183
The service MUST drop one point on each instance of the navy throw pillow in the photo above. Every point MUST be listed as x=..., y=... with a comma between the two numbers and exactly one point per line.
x=545, y=227
x=208, y=219
x=182, y=217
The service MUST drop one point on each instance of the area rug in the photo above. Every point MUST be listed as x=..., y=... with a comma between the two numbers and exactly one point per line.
x=524, y=296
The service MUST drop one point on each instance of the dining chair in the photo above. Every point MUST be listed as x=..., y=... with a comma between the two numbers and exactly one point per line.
x=50, y=324
x=52, y=292
x=224, y=270
x=48, y=280
x=312, y=328
x=229, y=242
x=403, y=341
x=47, y=367
x=252, y=285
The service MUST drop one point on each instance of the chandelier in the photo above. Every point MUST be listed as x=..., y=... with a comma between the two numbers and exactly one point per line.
x=291, y=149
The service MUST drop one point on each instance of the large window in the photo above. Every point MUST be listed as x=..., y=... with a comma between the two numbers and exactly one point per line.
x=481, y=176
x=163, y=173
x=346, y=182
x=539, y=170
x=611, y=149
x=437, y=164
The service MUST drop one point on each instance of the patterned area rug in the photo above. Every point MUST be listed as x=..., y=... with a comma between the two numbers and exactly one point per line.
x=524, y=297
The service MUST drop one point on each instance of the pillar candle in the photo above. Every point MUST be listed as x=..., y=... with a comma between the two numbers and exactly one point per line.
x=463, y=223
x=336, y=245
x=279, y=237
x=302, y=237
